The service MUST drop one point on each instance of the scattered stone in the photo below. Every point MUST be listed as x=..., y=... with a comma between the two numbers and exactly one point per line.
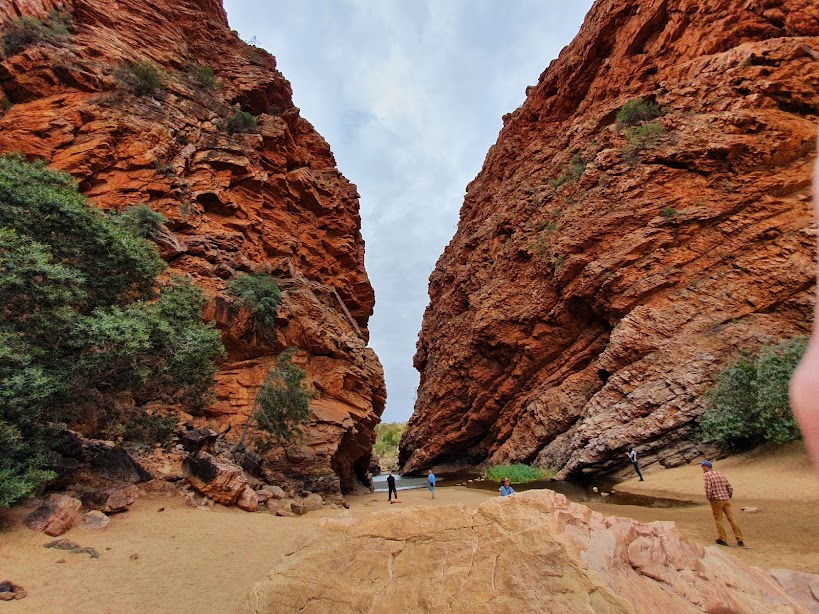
x=9, y=591
x=134, y=556
x=190, y=500
x=55, y=516
x=214, y=477
x=248, y=500
x=750, y=510
x=161, y=509
x=201, y=439
x=61, y=560
x=110, y=501
x=285, y=513
x=95, y=520
x=73, y=548
x=297, y=507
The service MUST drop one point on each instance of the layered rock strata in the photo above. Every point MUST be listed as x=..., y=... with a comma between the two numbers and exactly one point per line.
x=533, y=552
x=267, y=200
x=602, y=274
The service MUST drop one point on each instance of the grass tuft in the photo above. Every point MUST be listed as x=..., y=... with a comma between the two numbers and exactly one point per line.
x=517, y=474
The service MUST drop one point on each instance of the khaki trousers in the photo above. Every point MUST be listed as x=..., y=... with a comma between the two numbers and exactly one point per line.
x=720, y=507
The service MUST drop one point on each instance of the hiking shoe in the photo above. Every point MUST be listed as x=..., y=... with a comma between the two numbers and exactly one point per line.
x=722, y=542
x=740, y=543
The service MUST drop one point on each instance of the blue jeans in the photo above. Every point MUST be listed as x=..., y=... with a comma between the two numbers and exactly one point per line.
x=637, y=469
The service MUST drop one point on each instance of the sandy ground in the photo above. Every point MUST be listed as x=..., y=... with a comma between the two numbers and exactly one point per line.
x=191, y=560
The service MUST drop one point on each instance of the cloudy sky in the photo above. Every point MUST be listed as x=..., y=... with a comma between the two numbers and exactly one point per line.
x=410, y=96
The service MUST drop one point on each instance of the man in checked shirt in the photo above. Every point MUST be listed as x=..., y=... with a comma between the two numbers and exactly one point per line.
x=718, y=491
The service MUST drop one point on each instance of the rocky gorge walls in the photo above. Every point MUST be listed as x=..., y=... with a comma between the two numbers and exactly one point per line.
x=264, y=198
x=603, y=273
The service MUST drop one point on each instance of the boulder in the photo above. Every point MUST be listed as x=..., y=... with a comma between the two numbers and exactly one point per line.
x=95, y=520
x=216, y=478
x=112, y=500
x=531, y=553
x=201, y=439
x=55, y=516
x=298, y=508
x=375, y=464
x=313, y=502
x=248, y=500
x=115, y=463
x=270, y=492
x=251, y=463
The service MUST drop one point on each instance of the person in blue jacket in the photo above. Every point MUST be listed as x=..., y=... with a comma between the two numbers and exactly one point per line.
x=431, y=483
x=505, y=489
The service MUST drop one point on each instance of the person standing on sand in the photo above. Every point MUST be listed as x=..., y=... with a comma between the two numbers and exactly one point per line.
x=632, y=454
x=718, y=491
x=431, y=483
x=391, y=487
x=505, y=489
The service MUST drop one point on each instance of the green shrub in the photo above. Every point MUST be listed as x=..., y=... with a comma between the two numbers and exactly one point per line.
x=637, y=111
x=144, y=78
x=258, y=292
x=645, y=135
x=203, y=75
x=147, y=429
x=141, y=220
x=82, y=322
x=28, y=31
x=668, y=212
x=572, y=172
x=517, y=474
x=240, y=121
x=749, y=404
x=282, y=404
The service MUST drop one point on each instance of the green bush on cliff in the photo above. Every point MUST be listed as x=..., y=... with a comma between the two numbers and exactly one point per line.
x=282, y=404
x=144, y=78
x=258, y=292
x=749, y=404
x=637, y=111
x=203, y=75
x=28, y=31
x=240, y=121
x=83, y=325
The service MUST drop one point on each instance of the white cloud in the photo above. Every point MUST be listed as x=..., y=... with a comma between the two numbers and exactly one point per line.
x=410, y=97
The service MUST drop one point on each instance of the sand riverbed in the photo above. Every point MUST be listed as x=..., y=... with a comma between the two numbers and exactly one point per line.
x=190, y=560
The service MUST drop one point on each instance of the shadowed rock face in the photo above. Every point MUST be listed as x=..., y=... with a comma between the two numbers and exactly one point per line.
x=532, y=552
x=579, y=309
x=268, y=201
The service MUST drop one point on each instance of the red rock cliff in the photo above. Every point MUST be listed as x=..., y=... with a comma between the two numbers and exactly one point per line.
x=268, y=201
x=599, y=279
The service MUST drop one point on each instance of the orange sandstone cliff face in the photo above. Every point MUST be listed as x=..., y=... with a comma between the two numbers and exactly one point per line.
x=579, y=310
x=267, y=201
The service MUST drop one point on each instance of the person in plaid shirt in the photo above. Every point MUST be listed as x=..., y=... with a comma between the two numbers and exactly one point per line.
x=718, y=491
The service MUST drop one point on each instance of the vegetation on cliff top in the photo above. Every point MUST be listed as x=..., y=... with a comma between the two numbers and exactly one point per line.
x=387, y=439
x=85, y=337
x=749, y=405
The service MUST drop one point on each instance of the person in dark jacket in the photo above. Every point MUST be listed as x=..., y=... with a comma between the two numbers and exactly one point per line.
x=391, y=486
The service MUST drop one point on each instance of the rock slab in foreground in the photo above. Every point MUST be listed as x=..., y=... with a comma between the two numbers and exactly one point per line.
x=534, y=552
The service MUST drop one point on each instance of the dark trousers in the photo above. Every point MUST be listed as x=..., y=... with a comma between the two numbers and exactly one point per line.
x=392, y=492
x=637, y=469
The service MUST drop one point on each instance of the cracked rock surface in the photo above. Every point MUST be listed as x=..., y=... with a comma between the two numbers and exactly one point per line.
x=532, y=552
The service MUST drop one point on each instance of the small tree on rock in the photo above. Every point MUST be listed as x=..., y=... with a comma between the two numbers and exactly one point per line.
x=282, y=403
